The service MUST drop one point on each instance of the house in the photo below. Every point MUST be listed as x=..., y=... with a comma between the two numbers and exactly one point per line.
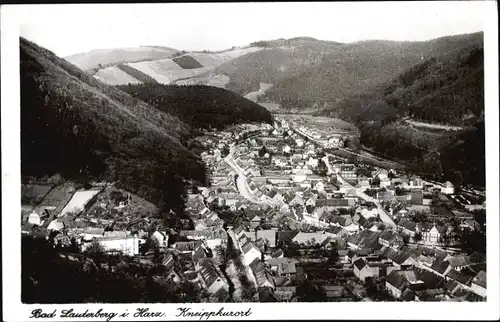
x=382, y=175
x=187, y=247
x=160, y=238
x=311, y=201
x=277, y=254
x=478, y=284
x=90, y=233
x=333, y=203
x=387, y=237
x=169, y=263
x=362, y=269
x=297, y=200
x=250, y=252
x=278, y=198
x=459, y=262
x=369, y=211
x=283, y=267
x=213, y=279
x=285, y=293
x=460, y=278
x=448, y=188
x=128, y=246
x=431, y=233
x=55, y=225
x=255, y=222
x=319, y=186
x=440, y=267
x=407, y=226
x=400, y=259
x=286, y=236
x=398, y=281
x=34, y=219
x=364, y=183
x=261, y=276
x=317, y=238
x=348, y=171
x=269, y=236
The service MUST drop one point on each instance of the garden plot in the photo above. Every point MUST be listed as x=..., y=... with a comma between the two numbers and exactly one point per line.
x=78, y=201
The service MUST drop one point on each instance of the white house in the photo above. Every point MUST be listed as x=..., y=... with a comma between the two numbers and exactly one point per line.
x=448, y=188
x=127, y=245
x=362, y=269
x=34, y=219
x=55, y=225
x=478, y=284
x=160, y=238
x=320, y=186
x=312, y=162
x=250, y=252
x=369, y=212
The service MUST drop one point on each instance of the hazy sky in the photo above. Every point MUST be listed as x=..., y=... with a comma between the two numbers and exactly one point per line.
x=70, y=29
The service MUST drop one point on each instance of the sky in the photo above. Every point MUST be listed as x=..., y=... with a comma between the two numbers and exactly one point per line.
x=71, y=29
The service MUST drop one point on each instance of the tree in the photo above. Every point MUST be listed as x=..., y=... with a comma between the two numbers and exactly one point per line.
x=262, y=151
x=418, y=237
x=311, y=293
x=322, y=168
x=96, y=251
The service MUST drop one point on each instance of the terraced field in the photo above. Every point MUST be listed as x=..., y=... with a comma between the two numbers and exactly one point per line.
x=186, y=69
x=115, y=76
x=187, y=62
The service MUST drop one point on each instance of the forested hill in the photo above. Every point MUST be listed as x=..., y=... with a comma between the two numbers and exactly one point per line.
x=74, y=125
x=431, y=115
x=200, y=106
x=357, y=68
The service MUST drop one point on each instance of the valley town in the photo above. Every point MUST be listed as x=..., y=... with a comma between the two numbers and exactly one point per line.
x=290, y=213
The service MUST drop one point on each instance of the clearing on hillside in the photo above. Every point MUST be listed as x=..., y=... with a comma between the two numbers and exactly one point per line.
x=115, y=76
x=187, y=62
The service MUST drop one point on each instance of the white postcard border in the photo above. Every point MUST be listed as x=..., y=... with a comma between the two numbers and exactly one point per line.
x=14, y=310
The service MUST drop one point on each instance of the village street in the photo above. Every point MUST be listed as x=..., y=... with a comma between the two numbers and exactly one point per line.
x=382, y=213
x=241, y=181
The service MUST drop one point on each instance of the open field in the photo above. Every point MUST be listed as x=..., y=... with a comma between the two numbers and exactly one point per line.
x=78, y=201
x=167, y=70
x=136, y=74
x=271, y=107
x=115, y=76
x=187, y=62
x=263, y=88
x=107, y=57
x=319, y=122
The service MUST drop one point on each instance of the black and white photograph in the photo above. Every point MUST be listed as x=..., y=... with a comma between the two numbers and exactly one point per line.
x=182, y=156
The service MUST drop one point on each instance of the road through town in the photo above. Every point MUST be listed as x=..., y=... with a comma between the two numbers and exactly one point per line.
x=241, y=183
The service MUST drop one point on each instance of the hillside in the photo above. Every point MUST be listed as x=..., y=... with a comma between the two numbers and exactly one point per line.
x=101, y=58
x=74, y=125
x=278, y=60
x=431, y=115
x=200, y=106
x=356, y=68
x=167, y=70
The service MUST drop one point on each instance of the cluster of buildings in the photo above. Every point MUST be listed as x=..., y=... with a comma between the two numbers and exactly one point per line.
x=303, y=215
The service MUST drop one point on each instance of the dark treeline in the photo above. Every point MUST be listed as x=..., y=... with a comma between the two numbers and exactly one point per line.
x=76, y=126
x=200, y=106
x=94, y=278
